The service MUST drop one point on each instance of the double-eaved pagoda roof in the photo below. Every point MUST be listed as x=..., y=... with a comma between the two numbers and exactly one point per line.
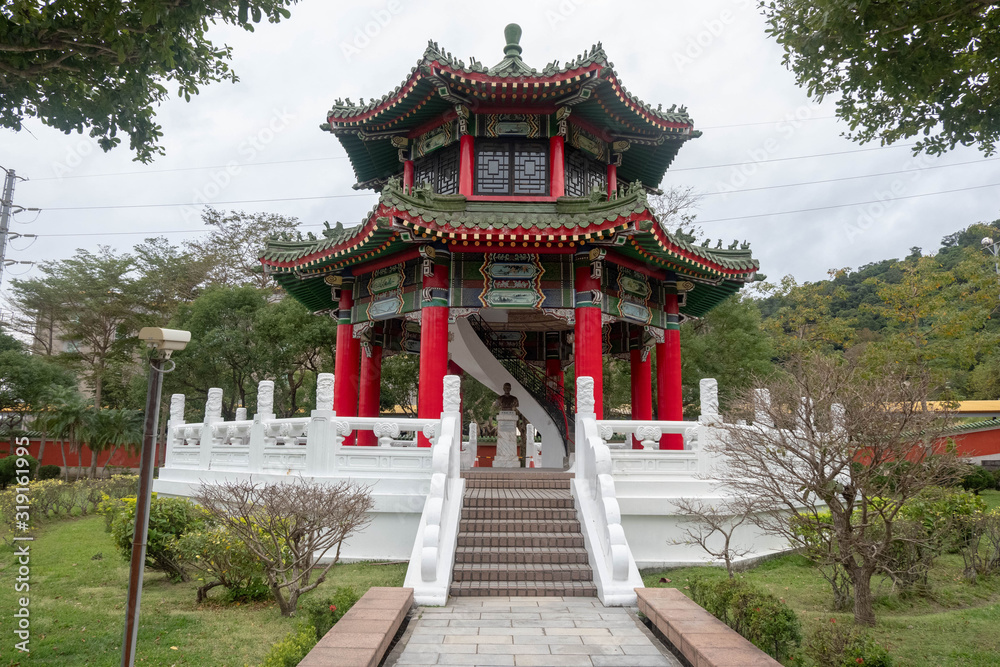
x=587, y=84
x=626, y=225
x=584, y=96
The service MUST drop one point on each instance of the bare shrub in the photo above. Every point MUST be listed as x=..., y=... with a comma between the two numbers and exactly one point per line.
x=711, y=527
x=834, y=461
x=290, y=527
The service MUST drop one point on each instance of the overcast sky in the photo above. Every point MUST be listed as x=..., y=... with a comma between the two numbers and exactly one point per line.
x=712, y=57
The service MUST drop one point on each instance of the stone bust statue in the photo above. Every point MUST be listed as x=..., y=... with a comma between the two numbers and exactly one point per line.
x=507, y=402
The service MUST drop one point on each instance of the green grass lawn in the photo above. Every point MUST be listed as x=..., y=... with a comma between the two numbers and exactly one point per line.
x=78, y=607
x=954, y=626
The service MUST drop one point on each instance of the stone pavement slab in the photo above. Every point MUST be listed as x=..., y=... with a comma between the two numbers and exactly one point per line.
x=520, y=631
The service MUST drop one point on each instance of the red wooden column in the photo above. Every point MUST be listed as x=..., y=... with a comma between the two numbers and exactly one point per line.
x=345, y=382
x=371, y=386
x=407, y=176
x=587, y=339
x=612, y=180
x=466, y=165
x=642, y=383
x=669, y=403
x=433, y=343
x=557, y=172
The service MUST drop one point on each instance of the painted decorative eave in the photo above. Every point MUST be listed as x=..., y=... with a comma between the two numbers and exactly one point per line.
x=625, y=222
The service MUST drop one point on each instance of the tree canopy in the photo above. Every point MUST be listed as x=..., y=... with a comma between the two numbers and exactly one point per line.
x=901, y=69
x=104, y=65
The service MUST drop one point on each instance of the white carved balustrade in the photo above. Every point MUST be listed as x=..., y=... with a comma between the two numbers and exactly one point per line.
x=615, y=572
x=430, y=569
x=310, y=445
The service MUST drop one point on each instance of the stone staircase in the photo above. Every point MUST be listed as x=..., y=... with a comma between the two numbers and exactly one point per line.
x=519, y=535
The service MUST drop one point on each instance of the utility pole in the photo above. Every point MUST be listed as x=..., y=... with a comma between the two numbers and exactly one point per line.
x=5, y=205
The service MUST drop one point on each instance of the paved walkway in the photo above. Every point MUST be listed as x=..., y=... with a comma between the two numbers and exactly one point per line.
x=516, y=631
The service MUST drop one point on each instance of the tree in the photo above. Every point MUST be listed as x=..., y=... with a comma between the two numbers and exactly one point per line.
x=102, y=302
x=399, y=383
x=110, y=429
x=233, y=247
x=105, y=65
x=838, y=432
x=67, y=416
x=899, y=69
x=24, y=381
x=728, y=344
x=290, y=527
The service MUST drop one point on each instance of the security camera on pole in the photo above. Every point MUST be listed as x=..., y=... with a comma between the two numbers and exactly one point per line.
x=163, y=342
x=993, y=247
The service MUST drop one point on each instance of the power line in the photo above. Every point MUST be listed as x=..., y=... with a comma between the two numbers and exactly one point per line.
x=766, y=122
x=216, y=203
x=164, y=171
x=794, y=157
x=344, y=157
x=740, y=217
x=847, y=178
x=857, y=203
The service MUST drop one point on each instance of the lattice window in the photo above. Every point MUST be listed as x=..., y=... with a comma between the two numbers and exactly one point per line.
x=583, y=174
x=447, y=174
x=531, y=169
x=512, y=168
x=440, y=170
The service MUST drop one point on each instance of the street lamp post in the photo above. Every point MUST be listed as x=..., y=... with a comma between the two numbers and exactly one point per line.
x=162, y=342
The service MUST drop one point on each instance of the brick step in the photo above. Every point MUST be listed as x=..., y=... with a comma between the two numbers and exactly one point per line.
x=507, y=483
x=518, y=513
x=499, y=473
x=529, y=572
x=525, y=588
x=522, y=555
x=472, y=526
x=520, y=539
x=509, y=498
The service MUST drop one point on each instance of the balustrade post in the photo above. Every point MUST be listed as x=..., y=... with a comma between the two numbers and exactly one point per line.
x=176, y=419
x=452, y=404
x=762, y=408
x=318, y=435
x=213, y=415
x=265, y=412
x=585, y=409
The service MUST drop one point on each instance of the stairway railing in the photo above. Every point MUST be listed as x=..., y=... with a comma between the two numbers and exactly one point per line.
x=552, y=399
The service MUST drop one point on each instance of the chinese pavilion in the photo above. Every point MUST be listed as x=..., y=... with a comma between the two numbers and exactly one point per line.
x=512, y=237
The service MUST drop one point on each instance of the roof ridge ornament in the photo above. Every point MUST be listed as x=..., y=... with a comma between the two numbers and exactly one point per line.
x=512, y=33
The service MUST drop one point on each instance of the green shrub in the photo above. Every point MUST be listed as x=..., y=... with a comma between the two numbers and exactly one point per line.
x=169, y=518
x=762, y=618
x=49, y=472
x=844, y=645
x=323, y=611
x=978, y=479
x=945, y=514
x=290, y=651
x=223, y=560
x=9, y=467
